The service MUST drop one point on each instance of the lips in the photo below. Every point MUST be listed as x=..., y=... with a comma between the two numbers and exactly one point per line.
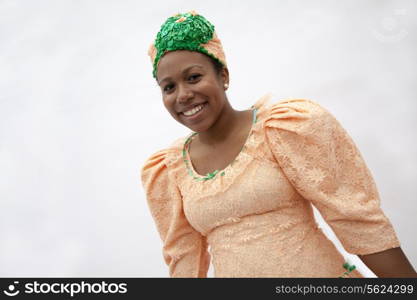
x=197, y=115
x=191, y=107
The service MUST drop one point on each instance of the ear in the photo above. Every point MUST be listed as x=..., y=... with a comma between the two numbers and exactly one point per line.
x=224, y=76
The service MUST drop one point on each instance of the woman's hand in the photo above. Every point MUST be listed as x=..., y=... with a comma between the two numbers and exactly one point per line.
x=389, y=263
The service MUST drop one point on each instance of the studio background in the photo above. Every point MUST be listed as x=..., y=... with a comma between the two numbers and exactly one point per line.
x=80, y=112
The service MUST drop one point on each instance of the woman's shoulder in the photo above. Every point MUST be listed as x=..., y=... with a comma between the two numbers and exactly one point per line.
x=268, y=105
x=274, y=112
x=164, y=156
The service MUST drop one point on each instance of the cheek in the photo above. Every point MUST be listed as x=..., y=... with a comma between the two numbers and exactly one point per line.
x=208, y=88
x=168, y=100
x=169, y=104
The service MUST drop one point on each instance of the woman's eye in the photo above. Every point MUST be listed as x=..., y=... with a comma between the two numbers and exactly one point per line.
x=193, y=77
x=167, y=87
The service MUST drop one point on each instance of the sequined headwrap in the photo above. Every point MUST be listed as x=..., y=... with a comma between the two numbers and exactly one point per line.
x=187, y=31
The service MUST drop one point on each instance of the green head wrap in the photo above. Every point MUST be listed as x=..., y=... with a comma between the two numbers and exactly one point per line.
x=187, y=31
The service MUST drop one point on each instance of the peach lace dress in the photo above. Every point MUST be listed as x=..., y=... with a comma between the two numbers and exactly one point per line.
x=254, y=218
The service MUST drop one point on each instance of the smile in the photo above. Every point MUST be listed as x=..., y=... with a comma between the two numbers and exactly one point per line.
x=195, y=112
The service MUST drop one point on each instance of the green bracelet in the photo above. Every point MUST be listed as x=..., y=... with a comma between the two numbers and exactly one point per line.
x=349, y=269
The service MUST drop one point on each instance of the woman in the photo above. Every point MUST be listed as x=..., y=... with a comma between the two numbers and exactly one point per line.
x=243, y=181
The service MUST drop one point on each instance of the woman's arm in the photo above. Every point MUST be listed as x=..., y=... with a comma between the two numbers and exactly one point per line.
x=389, y=263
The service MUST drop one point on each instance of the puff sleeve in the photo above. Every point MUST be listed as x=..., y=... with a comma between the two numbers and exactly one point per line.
x=324, y=165
x=184, y=249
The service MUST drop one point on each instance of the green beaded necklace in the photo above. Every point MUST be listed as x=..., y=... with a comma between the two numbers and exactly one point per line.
x=214, y=173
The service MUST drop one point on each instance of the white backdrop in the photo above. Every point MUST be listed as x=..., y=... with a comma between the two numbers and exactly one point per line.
x=80, y=113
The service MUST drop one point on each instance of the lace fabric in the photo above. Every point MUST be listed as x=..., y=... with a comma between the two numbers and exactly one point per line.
x=258, y=218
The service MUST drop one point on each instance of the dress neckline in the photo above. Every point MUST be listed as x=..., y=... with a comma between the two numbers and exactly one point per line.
x=189, y=165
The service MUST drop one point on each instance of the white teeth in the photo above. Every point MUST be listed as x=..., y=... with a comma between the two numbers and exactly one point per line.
x=193, y=111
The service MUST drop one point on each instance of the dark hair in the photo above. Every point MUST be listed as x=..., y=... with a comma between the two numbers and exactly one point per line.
x=218, y=66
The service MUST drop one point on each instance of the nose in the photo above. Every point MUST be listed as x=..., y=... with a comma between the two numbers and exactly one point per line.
x=184, y=94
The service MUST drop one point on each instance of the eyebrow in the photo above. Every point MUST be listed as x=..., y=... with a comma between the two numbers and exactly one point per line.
x=183, y=72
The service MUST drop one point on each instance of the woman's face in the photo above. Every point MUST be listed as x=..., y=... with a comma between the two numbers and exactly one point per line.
x=188, y=79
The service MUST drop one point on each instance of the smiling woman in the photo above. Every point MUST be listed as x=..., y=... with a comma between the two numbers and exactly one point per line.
x=193, y=92
x=244, y=182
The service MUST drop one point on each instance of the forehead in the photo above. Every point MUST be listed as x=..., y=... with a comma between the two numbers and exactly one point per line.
x=174, y=62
